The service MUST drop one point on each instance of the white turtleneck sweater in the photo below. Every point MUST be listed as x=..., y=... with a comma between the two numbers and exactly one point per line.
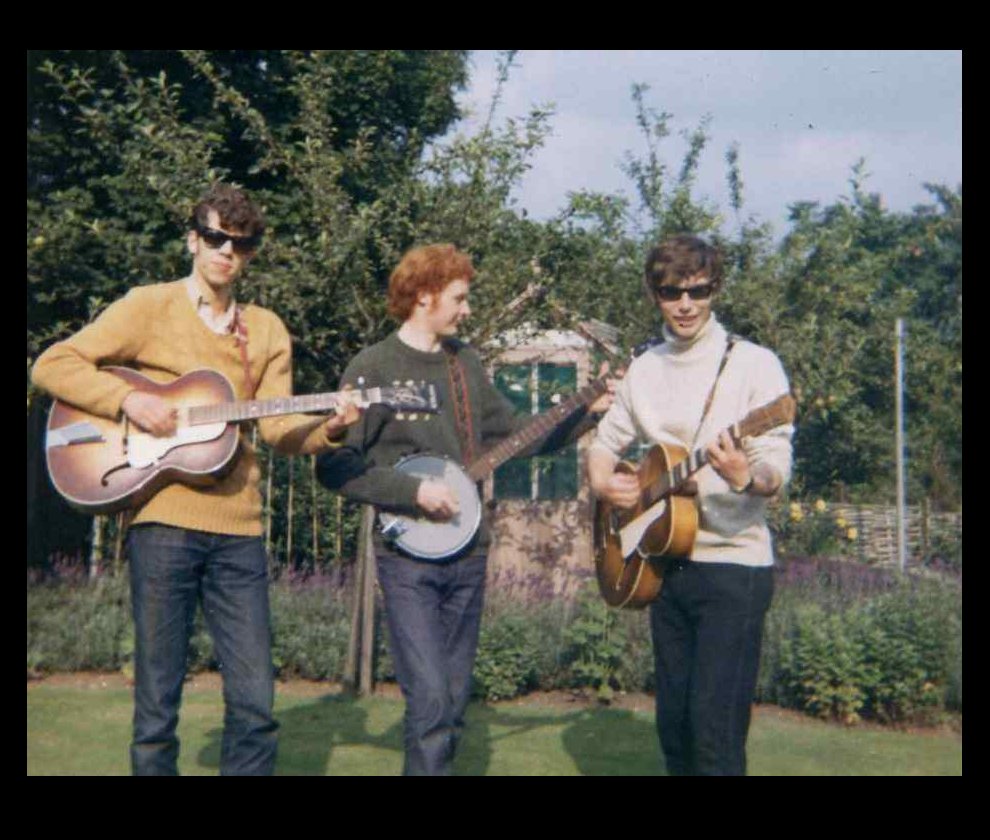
x=660, y=400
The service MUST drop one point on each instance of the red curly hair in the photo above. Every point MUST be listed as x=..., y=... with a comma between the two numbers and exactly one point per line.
x=428, y=268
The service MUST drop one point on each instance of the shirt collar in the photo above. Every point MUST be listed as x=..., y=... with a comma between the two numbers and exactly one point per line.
x=223, y=323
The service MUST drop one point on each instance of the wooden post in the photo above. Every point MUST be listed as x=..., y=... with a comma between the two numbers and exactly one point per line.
x=268, y=505
x=96, y=549
x=316, y=517
x=351, y=666
x=288, y=520
x=123, y=518
x=359, y=668
x=368, y=607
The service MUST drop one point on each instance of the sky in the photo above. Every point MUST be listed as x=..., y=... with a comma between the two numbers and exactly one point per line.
x=801, y=119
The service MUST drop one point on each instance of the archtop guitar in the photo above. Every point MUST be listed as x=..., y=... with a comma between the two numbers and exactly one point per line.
x=101, y=466
x=632, y=546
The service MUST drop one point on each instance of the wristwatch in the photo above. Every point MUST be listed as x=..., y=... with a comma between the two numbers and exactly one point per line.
x=747, y=488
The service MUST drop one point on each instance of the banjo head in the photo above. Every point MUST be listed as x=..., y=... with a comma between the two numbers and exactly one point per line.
x=422, y=537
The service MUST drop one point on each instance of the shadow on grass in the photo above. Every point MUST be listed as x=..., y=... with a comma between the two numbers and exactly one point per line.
x=597, y=742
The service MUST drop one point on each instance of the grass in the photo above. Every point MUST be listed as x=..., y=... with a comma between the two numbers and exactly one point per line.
x=84, y=729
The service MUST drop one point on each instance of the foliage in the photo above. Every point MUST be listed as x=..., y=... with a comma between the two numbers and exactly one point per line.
x=851, y=645
x=596, y=642
x=344, y=151
x=508, y=659
x=72, y=625
x=810, y=530
x=310, y=626
x=841, y=640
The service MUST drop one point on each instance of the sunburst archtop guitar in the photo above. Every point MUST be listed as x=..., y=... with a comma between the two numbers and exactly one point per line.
x=631, y=546
x=101, y=466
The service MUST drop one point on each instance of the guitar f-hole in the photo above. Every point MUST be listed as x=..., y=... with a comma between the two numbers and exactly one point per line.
x=111, y=471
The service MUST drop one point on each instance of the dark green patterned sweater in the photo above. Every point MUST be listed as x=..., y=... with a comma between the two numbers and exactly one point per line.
x=361, y=469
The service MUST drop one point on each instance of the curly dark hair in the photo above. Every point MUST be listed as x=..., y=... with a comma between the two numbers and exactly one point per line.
x=233, y=206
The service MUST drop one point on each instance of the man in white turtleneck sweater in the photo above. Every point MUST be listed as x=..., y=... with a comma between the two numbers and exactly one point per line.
x=707, y=622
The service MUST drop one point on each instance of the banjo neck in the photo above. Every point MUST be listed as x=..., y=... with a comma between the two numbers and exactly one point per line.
x=541, y=425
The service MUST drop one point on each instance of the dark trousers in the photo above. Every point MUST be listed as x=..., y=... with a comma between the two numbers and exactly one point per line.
x=173, y=570
x=707, y=627
x=434, y=615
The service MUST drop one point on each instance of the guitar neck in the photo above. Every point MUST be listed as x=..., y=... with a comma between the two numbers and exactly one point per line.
x=232, y=412
x=758, y=421
x=533, y=431
x=674, y=478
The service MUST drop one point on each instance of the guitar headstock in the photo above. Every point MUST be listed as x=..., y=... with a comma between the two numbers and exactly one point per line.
x=410, y=396
x=777, y=413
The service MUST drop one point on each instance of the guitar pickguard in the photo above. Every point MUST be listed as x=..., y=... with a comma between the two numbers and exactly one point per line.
x=632, y=534
x=144, y=450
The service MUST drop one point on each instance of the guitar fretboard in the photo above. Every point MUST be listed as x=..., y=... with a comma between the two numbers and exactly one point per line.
x=758, y=421
x=672, y=479
x=232, y=412
x=541, y=425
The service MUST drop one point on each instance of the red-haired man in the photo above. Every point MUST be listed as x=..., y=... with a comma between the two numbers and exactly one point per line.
x=433, y=609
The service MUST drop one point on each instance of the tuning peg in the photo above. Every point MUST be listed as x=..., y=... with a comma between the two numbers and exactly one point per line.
x=400, y=416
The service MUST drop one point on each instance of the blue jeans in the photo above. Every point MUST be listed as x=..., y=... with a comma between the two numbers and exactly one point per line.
x=707, y=627
x=172, y=570
x=433, y=612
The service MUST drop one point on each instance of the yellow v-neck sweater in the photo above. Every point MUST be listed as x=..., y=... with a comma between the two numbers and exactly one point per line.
x=155, y=330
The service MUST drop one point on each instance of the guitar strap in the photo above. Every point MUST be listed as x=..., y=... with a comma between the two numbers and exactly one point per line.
x=461, y=403
x=241, y=335
x=711, y=394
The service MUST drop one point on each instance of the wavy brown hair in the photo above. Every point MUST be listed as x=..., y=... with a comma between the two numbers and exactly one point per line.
x=235, y=209
x=428, y=268
x=680, y=257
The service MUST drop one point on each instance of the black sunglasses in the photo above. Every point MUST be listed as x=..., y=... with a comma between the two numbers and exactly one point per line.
x=703, y=291
x=217, y=239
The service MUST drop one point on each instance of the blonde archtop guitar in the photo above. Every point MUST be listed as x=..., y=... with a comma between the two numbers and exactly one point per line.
x=632, y=546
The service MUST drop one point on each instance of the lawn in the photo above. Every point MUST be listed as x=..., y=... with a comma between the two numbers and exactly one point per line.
x=82, y=727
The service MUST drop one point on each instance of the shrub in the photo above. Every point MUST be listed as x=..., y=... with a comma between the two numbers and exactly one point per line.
x=842, y=640
x=508, y=659
x=74, y=625
x=596, y=642
x=856, y=645
x=310, y=626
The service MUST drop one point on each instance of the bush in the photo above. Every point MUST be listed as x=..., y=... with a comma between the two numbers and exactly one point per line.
x=596, y=642
x=310, y=626
x=508, y=658
x=842, y=640
x=75, y=625
x=863, y=647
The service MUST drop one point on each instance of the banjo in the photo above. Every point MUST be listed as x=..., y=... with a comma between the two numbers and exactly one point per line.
x=430, y=540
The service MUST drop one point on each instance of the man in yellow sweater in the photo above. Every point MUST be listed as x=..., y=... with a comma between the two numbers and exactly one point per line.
x=188, y=544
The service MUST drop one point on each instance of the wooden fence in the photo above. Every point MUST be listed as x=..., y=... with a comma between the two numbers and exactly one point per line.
x=876, y=527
